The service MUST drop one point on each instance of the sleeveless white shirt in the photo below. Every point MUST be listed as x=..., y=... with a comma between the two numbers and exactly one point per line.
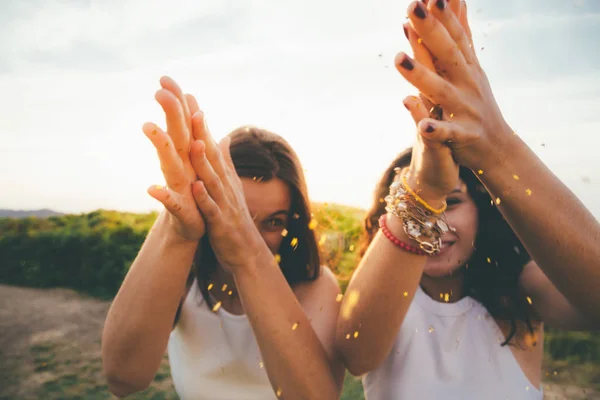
x=449, y=351
x=214, y=356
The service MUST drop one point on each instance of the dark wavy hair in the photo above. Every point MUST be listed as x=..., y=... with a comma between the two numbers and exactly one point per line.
x=258, y=153
x=492, y=273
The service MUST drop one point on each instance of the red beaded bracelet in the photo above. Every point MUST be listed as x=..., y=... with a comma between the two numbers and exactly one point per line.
x=397, y=242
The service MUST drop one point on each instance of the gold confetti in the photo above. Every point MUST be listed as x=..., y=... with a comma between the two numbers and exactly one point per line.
x=441, y=295
x=528, y=192
x=419, y=40
x=216, y=307
x=447, y=297
x=529, y=300
x=158, y=187
x=430, y=329
x=284, y=232
x=355, y=334
x=312, y=224
x=516, y=177
x=498, y=201
x=339, y=297
x=154, y=131
x=322, y=240
x=489, y=260
x=381, y=199
x=296, y=216
x=405, y=294
x=294, y=242
x=295, y=326
x=277, y=258
x=451, y=115
x=349, y=305
x=230, y=292
x=480, y=172
x=224, y=288
x=351, y=248
x=210, y=286
x=348, y=336
x=261, y=364
x=278, y=393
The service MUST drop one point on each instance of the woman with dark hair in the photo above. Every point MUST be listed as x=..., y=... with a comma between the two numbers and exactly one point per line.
x=471, y=246
x=229, y=278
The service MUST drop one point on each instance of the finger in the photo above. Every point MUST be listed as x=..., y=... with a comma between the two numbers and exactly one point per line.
x=206, y=173
x=442, y=132
x=207, y=206
x=417, y=109
x=436, y=37
x=172, y=86
x=455, y=6
x=225, y=147
x=192, y=106
x=213, y=153
x=175, y=118
x=451, y=23
x=170, y=163
x=464, y=22
x=428, y=104
x=169, y=199
x=420, y=52
x=434, y=87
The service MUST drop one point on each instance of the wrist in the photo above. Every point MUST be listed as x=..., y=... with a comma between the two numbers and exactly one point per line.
x=171, y=232
x=432, y=197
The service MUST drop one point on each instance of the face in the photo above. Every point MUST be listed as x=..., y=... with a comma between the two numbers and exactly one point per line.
x=269, y=203
x=457, y=246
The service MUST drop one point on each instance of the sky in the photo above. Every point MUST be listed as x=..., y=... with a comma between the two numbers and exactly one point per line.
x=78, y=79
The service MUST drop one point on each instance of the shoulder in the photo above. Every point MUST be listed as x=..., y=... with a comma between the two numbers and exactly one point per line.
x=325, y=285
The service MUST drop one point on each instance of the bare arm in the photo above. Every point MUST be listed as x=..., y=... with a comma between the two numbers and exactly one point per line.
x=295, y=357
x=376, y=301
x=561, y=235
x=141, y=316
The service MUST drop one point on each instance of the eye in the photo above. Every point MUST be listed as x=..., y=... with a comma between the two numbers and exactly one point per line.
x=452, y=201
x=275, y=223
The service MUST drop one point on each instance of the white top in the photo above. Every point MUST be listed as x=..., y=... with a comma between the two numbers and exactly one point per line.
x=449, y=351
x=214, y=356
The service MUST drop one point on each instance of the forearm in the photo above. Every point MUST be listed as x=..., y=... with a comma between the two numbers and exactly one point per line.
x=141, y=316
x=294, y=358
x=377, y=300
x=561, y=235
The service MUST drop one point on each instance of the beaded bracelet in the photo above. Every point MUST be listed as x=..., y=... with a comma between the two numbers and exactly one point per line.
x=397, y=242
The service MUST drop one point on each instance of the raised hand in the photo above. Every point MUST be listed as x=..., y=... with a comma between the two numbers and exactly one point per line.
x=173, y=149
x=220, y=197
x=473, y=125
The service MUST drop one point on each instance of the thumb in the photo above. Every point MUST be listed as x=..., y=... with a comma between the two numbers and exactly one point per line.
x=440, y=132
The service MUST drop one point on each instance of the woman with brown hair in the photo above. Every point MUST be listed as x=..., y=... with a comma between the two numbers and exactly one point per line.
x=229, y=278
x=472, y=244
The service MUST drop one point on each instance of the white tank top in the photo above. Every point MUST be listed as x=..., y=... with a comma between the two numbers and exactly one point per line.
x=449, y=351
x=214, y=356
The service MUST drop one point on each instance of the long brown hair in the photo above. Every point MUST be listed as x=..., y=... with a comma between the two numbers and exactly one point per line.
x=258, y=153
x=492, y=273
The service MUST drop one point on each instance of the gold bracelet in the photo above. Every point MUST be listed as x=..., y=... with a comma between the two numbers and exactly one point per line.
x=418, y=198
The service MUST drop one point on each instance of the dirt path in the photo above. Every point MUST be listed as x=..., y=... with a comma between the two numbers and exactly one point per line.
x=50, y=349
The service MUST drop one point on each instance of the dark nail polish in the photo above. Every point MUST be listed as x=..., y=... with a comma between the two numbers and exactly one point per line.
x=406, y=106
x=420, y=11
x=429, y=128
x=441, y=4
x=407, y=63
x=405, y=32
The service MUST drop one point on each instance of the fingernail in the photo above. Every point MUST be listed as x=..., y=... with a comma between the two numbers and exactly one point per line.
x=406, y=106
x=407, y=63
x=420, y=11
x=405, y=32
x=441, y=4
x=430, y=128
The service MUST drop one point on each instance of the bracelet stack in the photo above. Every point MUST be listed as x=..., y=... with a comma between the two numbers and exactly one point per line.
x=421, y=222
